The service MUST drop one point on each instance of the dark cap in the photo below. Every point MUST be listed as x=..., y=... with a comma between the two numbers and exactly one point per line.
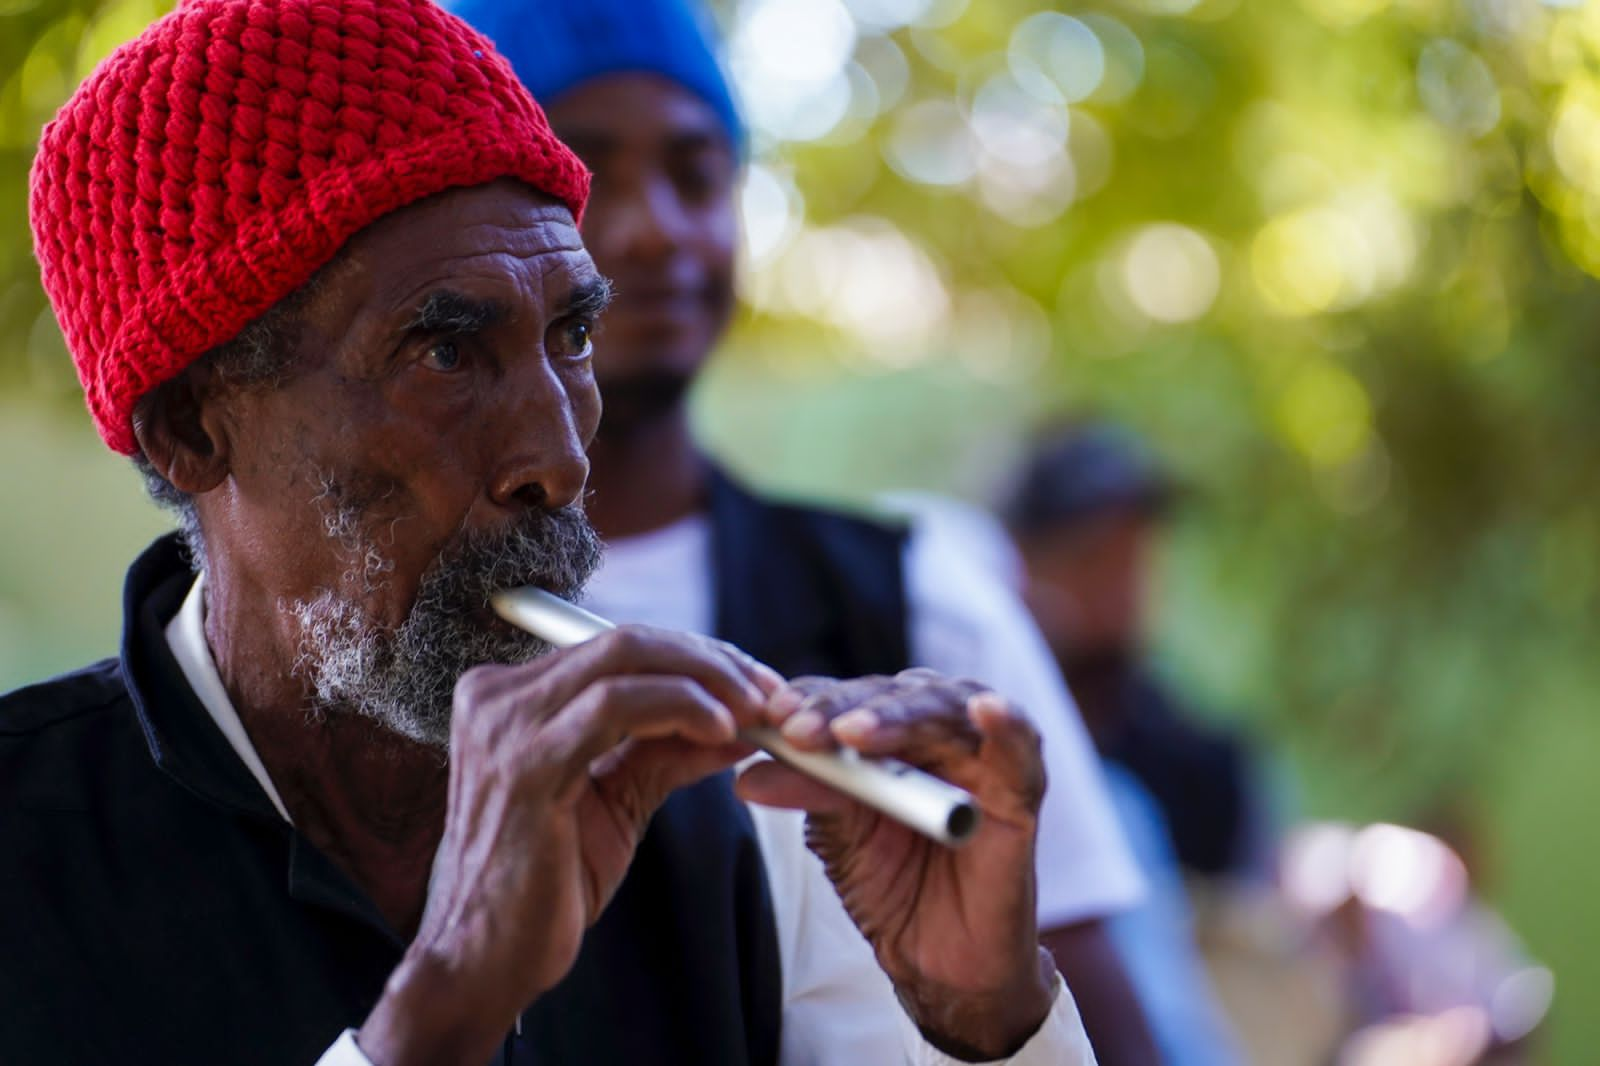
x=1081, y=470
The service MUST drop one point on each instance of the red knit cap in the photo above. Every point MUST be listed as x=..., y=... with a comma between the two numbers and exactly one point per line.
x=208, y=168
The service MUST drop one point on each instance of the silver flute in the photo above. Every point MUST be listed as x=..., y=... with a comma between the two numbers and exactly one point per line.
x=932, y=807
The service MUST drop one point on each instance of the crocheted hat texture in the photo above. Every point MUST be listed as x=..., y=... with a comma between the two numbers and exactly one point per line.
x=208, y=168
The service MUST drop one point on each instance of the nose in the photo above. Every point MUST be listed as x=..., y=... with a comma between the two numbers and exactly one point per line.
x=542, y=462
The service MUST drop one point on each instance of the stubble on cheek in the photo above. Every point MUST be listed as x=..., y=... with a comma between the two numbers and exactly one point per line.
x=363, y=514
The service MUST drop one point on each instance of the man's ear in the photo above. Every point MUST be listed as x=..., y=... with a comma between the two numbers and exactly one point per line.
x=179, y=427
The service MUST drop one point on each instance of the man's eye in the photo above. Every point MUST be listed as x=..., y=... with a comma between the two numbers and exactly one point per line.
x=702, y=178
x=694, y=184
x=579, y=334
x=442, y=355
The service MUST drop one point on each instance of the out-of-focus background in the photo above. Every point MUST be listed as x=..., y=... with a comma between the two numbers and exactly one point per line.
x=1333, y=259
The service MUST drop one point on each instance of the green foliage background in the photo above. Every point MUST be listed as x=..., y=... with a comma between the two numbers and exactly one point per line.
x=1389, y=563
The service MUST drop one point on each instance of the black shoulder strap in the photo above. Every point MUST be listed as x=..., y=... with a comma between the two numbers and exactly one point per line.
x=806, y=590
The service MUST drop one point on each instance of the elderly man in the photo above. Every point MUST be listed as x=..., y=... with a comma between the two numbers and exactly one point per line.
x=319, y=269
x=634, y=87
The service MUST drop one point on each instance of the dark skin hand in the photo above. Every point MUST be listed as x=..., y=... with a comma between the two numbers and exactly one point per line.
x=557, y=766
x=954, y=929
x=560, y=763
x=662, y=224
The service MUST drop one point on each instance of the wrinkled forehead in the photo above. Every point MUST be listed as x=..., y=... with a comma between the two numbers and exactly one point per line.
x=504, y=234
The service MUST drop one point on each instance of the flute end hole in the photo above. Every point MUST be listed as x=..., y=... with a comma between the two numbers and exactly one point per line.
x=962, y=823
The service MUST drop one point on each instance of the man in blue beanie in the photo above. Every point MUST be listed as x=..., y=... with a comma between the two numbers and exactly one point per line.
x=636, y=89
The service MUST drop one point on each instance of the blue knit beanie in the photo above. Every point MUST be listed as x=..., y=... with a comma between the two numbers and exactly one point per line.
x=557, y=45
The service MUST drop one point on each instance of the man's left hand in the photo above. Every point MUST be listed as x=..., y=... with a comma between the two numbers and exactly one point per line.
x=955, y=929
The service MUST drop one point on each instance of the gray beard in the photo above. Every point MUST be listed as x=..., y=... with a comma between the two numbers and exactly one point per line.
x=405, y=678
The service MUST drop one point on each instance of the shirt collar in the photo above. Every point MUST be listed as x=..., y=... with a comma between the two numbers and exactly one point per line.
x=182, y=733
x=186, y=636
x=188, y=722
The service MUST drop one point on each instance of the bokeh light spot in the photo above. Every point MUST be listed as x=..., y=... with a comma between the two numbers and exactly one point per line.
x=1295, y=261
x=1315, y=866
x=788, y=58
x=866, y=277
x=1575, y=135
x=1409, y=873
x=1124, y=58
x=885, y=15
x=770, y=210
x=1343, y=13
x=932, y=144
x=1458, y=88
x=999, y=334
x=1325, y=413
x=1336, y=255
x=1015, y=126
x=883, y=61
x=1055, y=53
x=1171, y=273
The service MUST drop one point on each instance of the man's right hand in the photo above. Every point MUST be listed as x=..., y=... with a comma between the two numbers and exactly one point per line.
x=556, y=768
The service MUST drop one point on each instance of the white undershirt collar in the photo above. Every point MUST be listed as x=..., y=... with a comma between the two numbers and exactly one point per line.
x=186, y=636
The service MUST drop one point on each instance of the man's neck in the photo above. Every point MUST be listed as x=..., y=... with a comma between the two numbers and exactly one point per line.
x=1101, y=686
x=646, y=473
x=371, y=801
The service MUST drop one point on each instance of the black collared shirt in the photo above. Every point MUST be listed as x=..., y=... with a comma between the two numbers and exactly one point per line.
x=155, y=908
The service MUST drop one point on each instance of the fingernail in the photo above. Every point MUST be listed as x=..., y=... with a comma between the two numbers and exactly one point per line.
x=803, y=726
x=985, y=703
x=857, y=723
x=784, y=701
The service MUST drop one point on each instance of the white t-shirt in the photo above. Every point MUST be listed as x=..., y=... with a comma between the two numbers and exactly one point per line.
x=964, y=623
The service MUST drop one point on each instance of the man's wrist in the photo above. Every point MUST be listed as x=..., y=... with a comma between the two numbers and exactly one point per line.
x=426, y=1015
x=979, y=1026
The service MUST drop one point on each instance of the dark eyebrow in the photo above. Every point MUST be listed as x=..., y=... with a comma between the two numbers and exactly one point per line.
x=588, y=298
x=444, y=311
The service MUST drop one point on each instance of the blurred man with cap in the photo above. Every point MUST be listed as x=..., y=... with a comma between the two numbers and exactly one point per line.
x=636, y=89
x=1085, y=511
x=318, y=265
